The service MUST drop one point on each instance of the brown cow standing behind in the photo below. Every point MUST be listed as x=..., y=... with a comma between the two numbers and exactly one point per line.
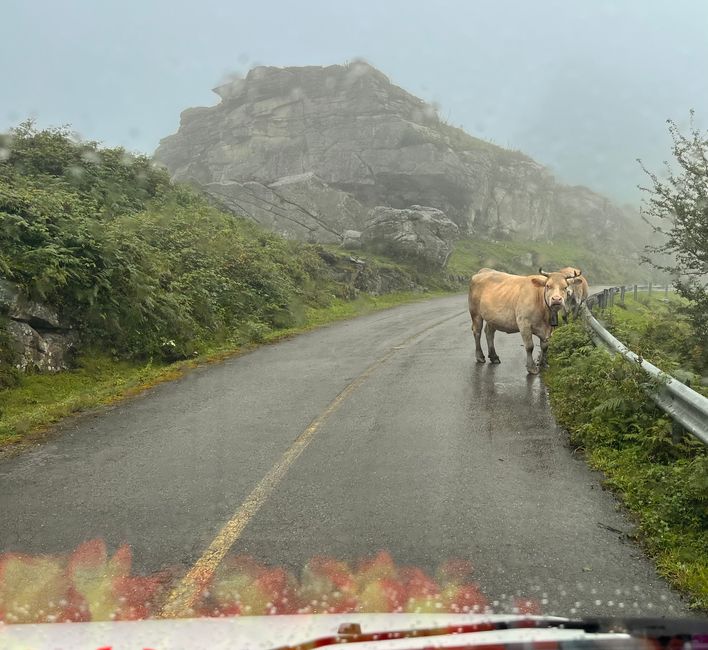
x=577, y=291
x=528, y=304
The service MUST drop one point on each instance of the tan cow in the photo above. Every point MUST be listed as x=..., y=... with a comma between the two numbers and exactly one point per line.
x=577, y=291
x=528, y=304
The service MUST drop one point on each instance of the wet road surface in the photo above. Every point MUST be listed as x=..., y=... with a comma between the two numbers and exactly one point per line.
x=428, y=455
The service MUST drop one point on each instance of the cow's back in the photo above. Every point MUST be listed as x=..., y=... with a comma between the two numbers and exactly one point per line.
x=495, y=296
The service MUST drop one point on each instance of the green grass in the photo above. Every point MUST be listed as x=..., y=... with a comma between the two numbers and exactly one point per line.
x=43, y=399
x=653, y=327
x=526, y=257
x=600, y=400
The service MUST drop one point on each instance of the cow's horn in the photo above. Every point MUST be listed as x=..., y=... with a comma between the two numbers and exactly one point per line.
x=542, y=272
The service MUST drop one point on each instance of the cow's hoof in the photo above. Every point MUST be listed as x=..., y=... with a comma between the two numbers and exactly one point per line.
x=481, y=360
x=533, y=371
x=494, y=360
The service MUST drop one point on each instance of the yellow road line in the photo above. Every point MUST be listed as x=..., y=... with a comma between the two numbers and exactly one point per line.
x=181, y=599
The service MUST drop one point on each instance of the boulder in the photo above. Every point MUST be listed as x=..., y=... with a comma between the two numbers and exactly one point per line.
x=18, y=307
x=46, y=352
x=420, y=234
x=38, y=338
x=351, y=239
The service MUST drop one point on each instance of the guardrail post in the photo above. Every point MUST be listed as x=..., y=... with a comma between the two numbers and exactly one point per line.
x=650, y=288
x=666, y=291
x=635, y=292
x=612, y=298
x=677, y=432
x=622, y=295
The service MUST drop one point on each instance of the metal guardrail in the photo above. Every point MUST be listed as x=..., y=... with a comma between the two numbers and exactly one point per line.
x=681, y=403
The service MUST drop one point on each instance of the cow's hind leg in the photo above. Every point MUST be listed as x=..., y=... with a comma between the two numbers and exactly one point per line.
x=489, y=332
x=527, y=336
x=477, y=323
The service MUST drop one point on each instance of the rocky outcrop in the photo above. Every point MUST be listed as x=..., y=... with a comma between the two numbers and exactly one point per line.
x=36, y=335
x=417, y=233
x=300, y=207
x=309, y=151
x=19, y=308
x=355, y=274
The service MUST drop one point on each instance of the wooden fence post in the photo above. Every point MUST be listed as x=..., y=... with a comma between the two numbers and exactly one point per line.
x=650, y=287
x=635, y=292
x=622, y=295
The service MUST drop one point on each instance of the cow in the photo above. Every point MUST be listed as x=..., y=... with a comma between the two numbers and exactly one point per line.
x=577, y=292
x=528, y=304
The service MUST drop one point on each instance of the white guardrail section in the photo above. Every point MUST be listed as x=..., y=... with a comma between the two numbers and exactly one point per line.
x=684, y=405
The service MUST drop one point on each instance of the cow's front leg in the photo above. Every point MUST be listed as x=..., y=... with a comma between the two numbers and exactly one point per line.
x=527, y=337
x=543, y=361
x=491, y=352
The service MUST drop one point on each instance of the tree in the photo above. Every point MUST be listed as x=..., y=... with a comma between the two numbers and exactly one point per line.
x=677, y=210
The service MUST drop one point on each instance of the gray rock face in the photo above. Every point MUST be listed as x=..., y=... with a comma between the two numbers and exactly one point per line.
x=46, y=352
x=308, y=151
x=36, y=334
x=351, y=239
x=18, y=307
x=300, y=207
x=417, y=233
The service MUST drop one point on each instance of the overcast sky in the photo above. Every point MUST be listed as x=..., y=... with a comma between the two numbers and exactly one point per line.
x=583, y=86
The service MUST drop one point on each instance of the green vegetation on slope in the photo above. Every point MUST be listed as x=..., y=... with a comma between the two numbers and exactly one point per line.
x=600, y=399
x=136, y=265
x=657, y=329
x=525, y=257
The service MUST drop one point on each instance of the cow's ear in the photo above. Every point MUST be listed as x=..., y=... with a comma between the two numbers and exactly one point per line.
x=539, y=282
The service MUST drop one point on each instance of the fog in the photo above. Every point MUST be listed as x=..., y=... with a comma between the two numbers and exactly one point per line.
x=584, y=87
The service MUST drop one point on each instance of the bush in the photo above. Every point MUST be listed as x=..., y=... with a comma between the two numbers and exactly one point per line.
x=9, y=375
x=139, y=266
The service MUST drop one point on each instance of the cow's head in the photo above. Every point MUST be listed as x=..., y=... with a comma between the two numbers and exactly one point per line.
x=555, y=290
x=573, y=281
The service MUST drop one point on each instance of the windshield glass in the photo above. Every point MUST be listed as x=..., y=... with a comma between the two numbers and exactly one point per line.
x=323, y=308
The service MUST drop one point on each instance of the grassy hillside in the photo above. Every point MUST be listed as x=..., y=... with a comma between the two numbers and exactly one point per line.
x=526, y=257
x=656, y=328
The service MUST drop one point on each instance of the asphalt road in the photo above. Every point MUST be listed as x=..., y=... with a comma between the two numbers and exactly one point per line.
x=427, y=454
